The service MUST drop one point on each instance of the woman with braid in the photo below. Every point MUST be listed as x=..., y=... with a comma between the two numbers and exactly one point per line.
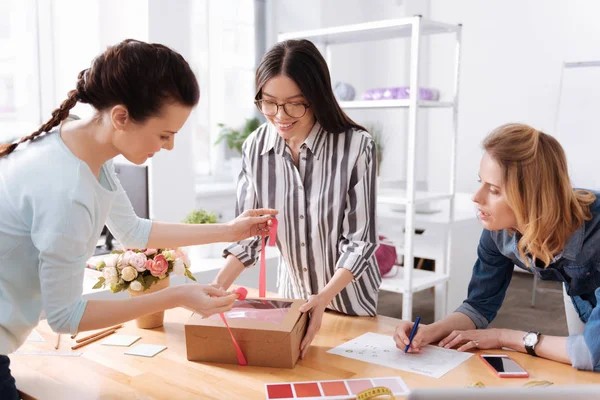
x=58, y=189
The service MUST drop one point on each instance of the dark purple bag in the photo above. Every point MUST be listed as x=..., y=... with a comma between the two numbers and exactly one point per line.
x=386, y=257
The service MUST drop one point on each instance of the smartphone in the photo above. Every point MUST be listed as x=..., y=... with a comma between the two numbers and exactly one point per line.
x=504, y=366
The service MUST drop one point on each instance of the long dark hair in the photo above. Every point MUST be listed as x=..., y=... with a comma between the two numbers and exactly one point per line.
x=301, y=61
x=141, y=76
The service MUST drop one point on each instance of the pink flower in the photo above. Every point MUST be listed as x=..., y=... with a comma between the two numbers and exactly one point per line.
x=180, y=254
x=149, y=265
x=137, y=261
x=159, y=266
x=149, y=252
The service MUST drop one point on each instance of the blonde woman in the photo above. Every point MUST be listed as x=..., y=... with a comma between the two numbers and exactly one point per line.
x=534, y=219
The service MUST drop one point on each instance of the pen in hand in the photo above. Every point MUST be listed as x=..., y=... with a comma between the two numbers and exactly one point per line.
x=412, y=334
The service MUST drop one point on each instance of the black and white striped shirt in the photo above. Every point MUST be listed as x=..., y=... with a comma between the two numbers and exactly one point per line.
x=326, y=212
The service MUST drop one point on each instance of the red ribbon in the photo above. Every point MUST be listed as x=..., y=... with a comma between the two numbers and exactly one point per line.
x=262, y=282
x=262, y=287
x=238, y=351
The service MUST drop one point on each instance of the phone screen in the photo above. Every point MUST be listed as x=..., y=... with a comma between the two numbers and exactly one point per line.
x=503, y=364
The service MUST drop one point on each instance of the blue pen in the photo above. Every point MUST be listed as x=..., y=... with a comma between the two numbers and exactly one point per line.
x=412, y=334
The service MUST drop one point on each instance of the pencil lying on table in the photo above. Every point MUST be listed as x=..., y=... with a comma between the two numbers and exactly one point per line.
x=93, y=339
x=83, y=339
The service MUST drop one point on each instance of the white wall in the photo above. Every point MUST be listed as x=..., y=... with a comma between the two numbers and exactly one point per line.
x=172, y=172
x=365, y=65
x=512, y=56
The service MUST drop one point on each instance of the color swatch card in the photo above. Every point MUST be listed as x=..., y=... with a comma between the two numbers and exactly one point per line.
x=379, y=349
x=120, y=340
x=332, y=390
x=146, y=350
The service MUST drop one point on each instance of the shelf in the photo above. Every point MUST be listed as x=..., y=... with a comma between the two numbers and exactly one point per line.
x=401, y=103
x=398, y=197
x=429, y=245
x=421, y=280
x=433, y=213
x=375, y=30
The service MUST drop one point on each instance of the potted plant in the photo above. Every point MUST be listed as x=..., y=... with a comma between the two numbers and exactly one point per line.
x=235, y=138
x=141, y=272
x=200, y=216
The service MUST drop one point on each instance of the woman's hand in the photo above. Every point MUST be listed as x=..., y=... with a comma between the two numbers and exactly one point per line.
x=315, y=308
x=251, y=223
x=206, y=300
x=402, y=336
x=473, y=339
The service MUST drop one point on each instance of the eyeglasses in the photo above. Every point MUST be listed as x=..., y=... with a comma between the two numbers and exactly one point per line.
x=270, y=108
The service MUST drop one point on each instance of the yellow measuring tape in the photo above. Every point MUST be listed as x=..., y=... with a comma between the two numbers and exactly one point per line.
x=376, y=392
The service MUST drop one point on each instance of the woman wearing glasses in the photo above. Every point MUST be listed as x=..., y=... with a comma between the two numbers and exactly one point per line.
x=316, y=166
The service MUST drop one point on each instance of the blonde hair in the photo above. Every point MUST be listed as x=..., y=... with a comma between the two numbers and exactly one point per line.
x=538, y=189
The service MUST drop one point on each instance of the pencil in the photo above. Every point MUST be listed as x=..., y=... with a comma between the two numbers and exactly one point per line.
x=57, y=341
x=83, y=339
x=98, y=337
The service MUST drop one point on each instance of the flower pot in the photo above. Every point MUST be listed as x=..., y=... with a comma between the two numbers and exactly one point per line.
x=154, y=320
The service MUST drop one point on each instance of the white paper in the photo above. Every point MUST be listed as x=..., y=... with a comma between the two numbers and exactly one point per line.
x=35, y=336
x=146, y=350
x=379, y=349
x=120, y=340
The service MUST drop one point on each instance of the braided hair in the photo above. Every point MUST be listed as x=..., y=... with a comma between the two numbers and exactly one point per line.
x=141, y=76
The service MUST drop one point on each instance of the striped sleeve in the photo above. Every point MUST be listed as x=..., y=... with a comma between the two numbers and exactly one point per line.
x=359, y=233
x=247, y=250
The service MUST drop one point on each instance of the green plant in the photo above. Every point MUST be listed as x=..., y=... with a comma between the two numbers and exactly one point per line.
x=235, y=138
x=377, y=135
x=200, y=217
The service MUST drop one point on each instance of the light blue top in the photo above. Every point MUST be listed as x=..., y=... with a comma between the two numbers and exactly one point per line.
x=52, y=210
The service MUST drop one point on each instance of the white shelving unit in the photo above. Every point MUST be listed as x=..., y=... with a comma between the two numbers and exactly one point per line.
x=408, y=280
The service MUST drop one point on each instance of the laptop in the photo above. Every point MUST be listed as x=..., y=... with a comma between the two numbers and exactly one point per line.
x=584, y=392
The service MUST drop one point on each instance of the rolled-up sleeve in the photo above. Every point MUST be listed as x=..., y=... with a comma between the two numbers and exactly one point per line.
x=492, y=274
x=129, y=229
x=247, y=250
x=584, y=349
x=358, y=239
x=61, y=235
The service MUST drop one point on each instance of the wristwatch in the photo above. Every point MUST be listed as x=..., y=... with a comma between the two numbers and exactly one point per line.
x=530, y=340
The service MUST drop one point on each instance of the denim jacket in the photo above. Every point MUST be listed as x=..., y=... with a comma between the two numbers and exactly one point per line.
x=577, y=267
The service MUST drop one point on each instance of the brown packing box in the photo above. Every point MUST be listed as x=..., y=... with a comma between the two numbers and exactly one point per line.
x=264, y=344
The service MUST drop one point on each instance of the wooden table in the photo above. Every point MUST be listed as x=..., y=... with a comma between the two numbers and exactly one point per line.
x=104, y=372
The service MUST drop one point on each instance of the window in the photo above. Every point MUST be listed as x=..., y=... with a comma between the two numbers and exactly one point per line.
x=224, y=62
x=19, y=69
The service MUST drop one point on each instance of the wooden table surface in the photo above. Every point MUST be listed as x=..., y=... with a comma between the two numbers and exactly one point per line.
x=104, y=372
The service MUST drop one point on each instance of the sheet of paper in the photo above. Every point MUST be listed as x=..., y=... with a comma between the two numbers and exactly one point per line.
x=120, y=340
x=146, y=350
x=379, y=349
x=35, y=336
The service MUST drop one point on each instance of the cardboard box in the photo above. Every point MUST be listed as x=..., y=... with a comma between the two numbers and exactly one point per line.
x=269, y=332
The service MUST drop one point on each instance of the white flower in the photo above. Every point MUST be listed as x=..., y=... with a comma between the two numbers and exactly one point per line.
x=110, y=275
x=179, y=267
x=128, y=274
x=137, y=261
x=169, y=255
x=126, y=259
x=111, y=260
x=186, y=260
x=135, y=286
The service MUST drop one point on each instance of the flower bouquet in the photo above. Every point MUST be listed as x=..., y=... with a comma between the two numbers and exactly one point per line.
x=143, y=271
x=138, y=270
